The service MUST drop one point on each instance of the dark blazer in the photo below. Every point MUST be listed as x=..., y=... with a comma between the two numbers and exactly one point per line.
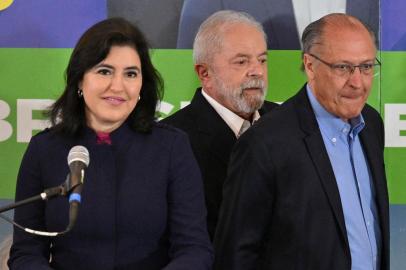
x=281, y=205
x=277, y=17
x=142, y=204
x=212, y=141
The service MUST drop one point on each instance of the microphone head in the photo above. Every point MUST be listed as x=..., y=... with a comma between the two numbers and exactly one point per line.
x=79, y=153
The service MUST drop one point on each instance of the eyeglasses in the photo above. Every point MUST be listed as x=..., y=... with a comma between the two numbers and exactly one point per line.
x=345, y=70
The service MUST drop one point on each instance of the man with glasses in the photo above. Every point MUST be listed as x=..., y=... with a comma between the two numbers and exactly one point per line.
x=306, y=186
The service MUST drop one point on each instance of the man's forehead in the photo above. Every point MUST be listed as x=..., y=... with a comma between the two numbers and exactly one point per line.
x=345, y=32
x=246, y=43
x=241, y=31
x=346, y=40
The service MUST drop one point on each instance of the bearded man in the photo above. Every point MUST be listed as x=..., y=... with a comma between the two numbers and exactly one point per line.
x=230, y=58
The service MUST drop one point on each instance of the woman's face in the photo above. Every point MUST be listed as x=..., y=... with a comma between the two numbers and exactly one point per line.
x=111, y=89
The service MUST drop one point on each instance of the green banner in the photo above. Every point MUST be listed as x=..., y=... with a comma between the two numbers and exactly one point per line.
x=32, y=78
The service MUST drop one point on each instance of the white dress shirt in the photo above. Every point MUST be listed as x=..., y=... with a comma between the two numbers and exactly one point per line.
x=232, y=120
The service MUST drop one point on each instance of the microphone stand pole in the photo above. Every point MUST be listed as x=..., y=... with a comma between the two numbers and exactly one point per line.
x=46, y=194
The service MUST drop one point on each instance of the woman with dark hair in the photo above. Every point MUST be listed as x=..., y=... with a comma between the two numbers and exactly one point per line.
x=142, y=203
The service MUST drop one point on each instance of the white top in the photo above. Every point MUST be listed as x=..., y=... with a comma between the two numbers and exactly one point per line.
x=307, y=11
x=232, y=120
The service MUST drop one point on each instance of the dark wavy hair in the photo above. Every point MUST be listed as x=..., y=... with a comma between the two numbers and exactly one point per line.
x=67, y=114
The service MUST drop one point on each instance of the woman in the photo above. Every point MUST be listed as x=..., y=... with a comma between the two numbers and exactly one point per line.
x=142, y=200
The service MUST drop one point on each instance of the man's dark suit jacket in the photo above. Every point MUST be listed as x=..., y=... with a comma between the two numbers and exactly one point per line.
x=281, y=205
x=212, y=141
x=277, y=17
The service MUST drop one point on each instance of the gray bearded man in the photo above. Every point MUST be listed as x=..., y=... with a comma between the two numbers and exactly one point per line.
x=230, y=57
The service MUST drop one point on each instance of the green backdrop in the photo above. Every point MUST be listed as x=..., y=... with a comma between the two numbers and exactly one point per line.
x=31, y=75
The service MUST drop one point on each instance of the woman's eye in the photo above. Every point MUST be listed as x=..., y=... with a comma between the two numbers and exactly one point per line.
x=104, y=71
x=132, y=74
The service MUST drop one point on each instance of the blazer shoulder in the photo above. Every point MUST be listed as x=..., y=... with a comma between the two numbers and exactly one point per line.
x=165, y=137
x=191, y=117
x=179, y=116
x=269, y=105
x=166, y=131
x=46, y=136
x=373, y=120
x=372, y=117
x=370, y=111
x=167, y=128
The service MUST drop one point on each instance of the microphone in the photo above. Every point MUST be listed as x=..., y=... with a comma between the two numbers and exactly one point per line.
x=78, y=160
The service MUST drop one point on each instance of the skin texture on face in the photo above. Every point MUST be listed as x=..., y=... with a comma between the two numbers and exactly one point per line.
x=237, y=76
x=342, y=96
x=111, y=89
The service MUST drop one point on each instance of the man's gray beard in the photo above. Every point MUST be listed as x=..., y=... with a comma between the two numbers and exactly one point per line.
x=244, y=104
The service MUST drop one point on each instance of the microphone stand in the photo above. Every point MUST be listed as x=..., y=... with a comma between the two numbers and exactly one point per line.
x=49, y=193
x=46, y=194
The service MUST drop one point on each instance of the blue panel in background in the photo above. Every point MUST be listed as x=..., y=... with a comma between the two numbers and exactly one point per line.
x=393, y=21
x=398, y=237
x=48, y=23
x=6, y=228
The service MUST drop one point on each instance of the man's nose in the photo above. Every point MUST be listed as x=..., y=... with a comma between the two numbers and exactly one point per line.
x=355, y=78
x=257, y=69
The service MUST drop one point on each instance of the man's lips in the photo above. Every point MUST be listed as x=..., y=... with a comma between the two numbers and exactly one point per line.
x=351, y=96
x=253, y=89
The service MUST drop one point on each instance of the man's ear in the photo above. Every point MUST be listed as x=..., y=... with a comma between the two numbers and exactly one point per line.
x=205, y=76
x=308, y=65
x=202, y=72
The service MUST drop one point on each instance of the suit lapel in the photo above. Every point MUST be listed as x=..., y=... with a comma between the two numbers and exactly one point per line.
x=318, y=153
x=372, y=150
x=212, y=129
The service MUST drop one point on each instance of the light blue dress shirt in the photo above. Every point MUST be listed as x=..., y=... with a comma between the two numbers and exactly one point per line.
x=354, y=183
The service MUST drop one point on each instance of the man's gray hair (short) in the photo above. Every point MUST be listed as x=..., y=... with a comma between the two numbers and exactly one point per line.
x=209, y=37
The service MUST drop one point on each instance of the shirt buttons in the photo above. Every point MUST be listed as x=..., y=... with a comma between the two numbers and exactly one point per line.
x=334, y=140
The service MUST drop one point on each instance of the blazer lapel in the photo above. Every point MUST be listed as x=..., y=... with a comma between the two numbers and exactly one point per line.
x=212, y=129
x=318, y=153
x=373, y=152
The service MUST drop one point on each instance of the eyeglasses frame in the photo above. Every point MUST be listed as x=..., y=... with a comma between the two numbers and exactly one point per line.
x=353, y=67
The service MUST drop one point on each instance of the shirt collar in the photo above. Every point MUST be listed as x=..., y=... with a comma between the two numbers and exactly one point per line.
x=103, y=138
x=332, y=125
x=232, y=120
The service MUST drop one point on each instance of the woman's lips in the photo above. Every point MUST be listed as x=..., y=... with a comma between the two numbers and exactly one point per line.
x=114, y=100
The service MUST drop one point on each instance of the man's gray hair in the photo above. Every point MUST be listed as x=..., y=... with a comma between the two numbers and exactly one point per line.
x=209, y=37
x=313, y=33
